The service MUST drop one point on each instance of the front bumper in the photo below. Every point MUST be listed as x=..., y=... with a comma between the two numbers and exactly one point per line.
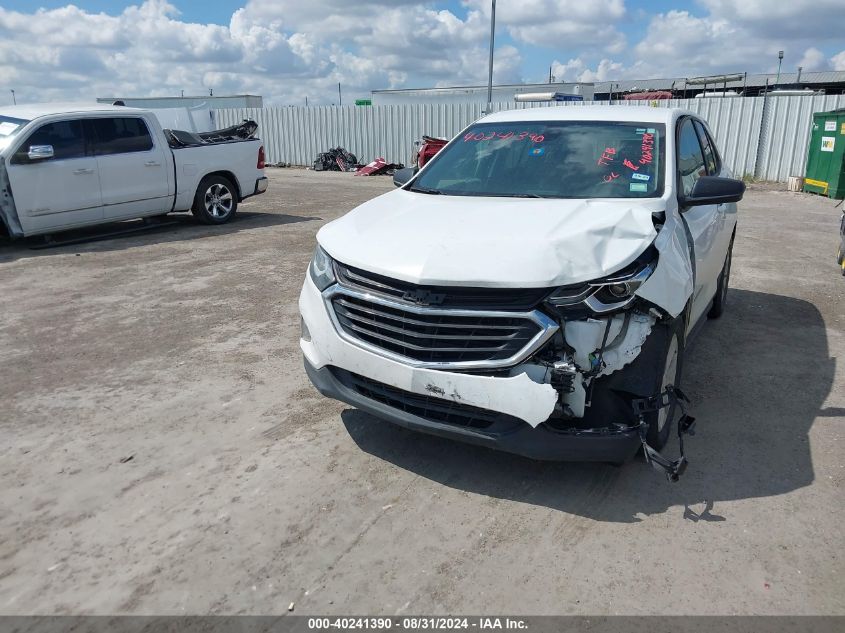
x=542, y=443
x=523, y=405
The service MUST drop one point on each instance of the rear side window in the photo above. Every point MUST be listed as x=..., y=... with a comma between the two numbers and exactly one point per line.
x=120, y=136
x=690, y=157
x=66, y=137
x=711, y=159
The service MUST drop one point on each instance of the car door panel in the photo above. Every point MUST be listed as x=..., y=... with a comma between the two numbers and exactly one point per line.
x=704, y=223
x=57, y=192
x=727, y=211
x=132, y=166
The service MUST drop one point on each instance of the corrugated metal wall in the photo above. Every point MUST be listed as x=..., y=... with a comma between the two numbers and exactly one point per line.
x=789, y=121
x=765, y=137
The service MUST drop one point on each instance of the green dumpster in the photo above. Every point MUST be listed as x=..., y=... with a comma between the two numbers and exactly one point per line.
x=826, y=157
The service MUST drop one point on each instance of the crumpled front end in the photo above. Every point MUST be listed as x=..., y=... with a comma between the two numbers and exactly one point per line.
x=543, y=372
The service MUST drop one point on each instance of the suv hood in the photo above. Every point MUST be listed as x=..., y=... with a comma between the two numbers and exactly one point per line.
x=490, y=242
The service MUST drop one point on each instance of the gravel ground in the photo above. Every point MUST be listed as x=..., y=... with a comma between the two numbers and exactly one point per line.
x=164, y=453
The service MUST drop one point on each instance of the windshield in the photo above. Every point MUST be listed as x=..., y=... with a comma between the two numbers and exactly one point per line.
x=555, y=159
x=9, y=126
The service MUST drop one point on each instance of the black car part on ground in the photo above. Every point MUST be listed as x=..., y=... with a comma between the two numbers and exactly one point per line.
x=673, y=468
x=336, y=159
x=181, y=138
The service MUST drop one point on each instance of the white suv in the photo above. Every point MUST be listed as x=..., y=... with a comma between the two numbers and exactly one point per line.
x=531, y=289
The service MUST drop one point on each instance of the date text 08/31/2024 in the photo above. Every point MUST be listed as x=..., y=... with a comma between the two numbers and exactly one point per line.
x=416, y=623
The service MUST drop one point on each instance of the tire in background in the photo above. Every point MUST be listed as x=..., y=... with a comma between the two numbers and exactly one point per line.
x=216, y=200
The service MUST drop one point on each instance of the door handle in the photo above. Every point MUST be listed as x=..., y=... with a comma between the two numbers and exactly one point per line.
x=152, y=163
x=82, y=172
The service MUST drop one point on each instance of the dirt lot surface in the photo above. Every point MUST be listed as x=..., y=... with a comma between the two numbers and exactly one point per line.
x=164, y=453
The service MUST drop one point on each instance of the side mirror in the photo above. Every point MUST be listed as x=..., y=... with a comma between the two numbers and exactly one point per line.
x=714, y=190
x=40, y=152
x=401, y=176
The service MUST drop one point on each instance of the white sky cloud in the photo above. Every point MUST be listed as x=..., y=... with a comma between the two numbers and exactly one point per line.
x=287, y=50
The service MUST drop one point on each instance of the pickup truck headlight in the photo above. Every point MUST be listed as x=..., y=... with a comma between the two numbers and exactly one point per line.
x=321, y=269
x=610, y=293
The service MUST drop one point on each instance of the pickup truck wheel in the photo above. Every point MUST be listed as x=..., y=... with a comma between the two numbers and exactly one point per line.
x=216, y=200
x=668, y=373
x=721, y=297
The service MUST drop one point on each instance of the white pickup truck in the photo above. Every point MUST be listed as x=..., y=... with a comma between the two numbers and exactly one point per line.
x=69, y=166
x=533, y=287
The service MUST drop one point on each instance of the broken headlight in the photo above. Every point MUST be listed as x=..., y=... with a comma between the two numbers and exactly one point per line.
x=321, y=269
x=611, y=293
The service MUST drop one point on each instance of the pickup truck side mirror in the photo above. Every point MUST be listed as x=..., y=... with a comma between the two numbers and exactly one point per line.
x=401, y=176
x=714, y=190
x=40, y=152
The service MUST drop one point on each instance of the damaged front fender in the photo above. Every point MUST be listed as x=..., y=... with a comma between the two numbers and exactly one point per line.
x=671, y=284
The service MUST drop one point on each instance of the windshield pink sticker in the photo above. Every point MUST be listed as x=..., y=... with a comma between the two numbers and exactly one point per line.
x=504, y=136
x=607, y=156
x=647, y=149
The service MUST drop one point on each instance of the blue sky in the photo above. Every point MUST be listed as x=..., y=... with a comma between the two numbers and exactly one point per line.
x=537, y=59
x=289, y=49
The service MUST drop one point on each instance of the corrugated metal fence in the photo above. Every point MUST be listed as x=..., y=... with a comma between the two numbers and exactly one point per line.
x=765, y=137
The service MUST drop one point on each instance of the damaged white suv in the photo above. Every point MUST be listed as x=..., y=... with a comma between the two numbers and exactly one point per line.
x=531, y=289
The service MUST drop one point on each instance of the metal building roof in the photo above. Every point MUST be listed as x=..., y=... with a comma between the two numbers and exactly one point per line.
x=539, y=87
x=752, y=81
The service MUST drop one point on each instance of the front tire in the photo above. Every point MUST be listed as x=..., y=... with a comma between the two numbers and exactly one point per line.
x=216, y=200
x=668, y=373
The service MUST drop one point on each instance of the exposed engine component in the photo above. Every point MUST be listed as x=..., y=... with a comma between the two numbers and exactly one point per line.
x=625, y=335
x=629, y=344
x=598, y=347
x=563, y=376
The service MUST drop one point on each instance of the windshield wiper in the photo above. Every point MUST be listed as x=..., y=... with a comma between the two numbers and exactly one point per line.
x=431, y=192
x=515, y=195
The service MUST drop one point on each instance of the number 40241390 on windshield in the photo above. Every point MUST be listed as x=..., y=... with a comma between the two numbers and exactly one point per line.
x=521, y=136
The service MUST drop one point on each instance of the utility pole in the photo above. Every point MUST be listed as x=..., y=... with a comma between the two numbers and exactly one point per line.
x=14, y=101
x=492, y=39
x=780, y=61
x=339, y=95
x=551, y=78
x=306, y=101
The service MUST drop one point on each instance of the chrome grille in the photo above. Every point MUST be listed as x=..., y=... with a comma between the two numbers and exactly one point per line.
x=470, y=297
x=437, y=337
